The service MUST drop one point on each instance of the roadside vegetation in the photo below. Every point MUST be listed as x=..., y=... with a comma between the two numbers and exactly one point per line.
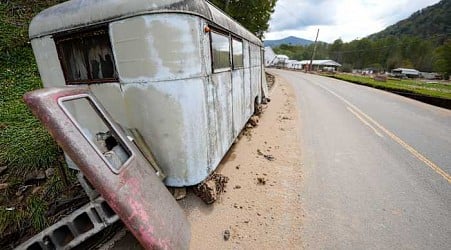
x=414, y=87
x=32, y=184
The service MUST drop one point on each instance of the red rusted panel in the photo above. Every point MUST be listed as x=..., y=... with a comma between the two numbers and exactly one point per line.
x=135, y=193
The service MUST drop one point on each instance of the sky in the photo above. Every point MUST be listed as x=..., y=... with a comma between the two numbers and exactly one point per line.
x=345, y=19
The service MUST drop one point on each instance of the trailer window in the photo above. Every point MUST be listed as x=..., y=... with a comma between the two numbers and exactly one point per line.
x=220, y=46
x=87, y=57
x=237, y=54
x=98, y=131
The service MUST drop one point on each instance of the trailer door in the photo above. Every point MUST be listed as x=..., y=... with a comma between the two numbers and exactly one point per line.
x=113, y=165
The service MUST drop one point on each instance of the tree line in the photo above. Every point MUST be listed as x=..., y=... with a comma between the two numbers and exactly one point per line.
x=384, y=54
x=252, y=14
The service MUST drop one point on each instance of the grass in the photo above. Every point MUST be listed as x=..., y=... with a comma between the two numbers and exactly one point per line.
x=24, y=144
x=416, y=87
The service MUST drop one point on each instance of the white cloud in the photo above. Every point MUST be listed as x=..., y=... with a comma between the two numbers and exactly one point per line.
x=345, y=19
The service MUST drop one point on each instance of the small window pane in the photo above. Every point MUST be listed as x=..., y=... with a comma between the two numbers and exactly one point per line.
x=220, y=44
x=237, y=48
x=87, y=57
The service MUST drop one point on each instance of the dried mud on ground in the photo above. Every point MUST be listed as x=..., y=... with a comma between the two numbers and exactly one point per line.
x=261, y=206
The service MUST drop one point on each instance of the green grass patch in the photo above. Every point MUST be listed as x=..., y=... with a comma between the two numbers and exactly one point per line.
x=24, y=143
x=416, y=87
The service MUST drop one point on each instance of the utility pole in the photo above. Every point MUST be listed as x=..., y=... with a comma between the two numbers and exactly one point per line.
x=314, y=51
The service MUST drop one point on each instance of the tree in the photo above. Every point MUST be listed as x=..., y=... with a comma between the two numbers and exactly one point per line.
x=252, y=14
x=335, y=50
x=443, y=59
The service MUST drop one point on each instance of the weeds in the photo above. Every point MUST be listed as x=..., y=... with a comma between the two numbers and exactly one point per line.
x=436, y=90
x=36, y=209
x=24, y=144
x=11, y=218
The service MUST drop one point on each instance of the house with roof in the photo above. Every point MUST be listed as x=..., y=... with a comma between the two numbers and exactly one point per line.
x=323, y=65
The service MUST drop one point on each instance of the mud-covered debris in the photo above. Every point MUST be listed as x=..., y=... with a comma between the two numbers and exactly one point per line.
x=267, y=156
x=210, y=189
x=226, y=235
x=179, y=193
x=22, y=190
x=286, y=118
x=35, y=177
x=261, y=181
x=49, y=172
x=266, y=100
x=254, y=120
x=237, y=167
x=258, y=110
x=270, y=80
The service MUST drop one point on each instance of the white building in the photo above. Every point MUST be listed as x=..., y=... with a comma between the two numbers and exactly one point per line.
x=269, y=56
x=329, y=65
x=279, y=61
x=404, y=72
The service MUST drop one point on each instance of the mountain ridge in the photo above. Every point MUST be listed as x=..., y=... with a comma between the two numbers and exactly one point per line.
x=290, y=40
x=430, y=22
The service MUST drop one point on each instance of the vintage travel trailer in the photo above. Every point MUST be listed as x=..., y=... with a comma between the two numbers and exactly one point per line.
x=180, y=73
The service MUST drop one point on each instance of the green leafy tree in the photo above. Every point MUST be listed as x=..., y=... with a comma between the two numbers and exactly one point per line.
x=252, y=14
x=335, y=50
x=443, y=59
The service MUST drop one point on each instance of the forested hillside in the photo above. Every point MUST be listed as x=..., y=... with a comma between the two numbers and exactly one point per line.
x=431, y=22
x=405, y=44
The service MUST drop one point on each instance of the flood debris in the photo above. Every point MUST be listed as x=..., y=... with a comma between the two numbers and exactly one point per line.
x=49, y=172
x=35, y=177
x=226, y=235
x=179, y=193
x=267, y=156
x=22, y=189
x=254, y=120
x=261, y=181
x=211, y=188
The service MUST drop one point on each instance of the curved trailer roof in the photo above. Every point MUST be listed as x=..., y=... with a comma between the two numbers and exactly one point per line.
x=77, y=14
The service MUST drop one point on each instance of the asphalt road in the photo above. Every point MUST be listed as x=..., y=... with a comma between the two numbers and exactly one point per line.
x=376, y=167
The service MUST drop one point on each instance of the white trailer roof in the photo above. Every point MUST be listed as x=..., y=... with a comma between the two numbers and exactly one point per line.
x=407, y=71
x=322, y=62
x=77, y=14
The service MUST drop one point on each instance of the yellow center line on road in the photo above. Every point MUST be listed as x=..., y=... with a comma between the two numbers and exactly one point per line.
x=364, y=121
x=394, y=137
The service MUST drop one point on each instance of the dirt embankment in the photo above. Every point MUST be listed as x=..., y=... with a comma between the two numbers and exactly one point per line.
x=261, y=206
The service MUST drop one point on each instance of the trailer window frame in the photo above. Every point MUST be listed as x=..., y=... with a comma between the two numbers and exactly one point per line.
x=219, y=33
x=83, y=41
x=240, y=41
